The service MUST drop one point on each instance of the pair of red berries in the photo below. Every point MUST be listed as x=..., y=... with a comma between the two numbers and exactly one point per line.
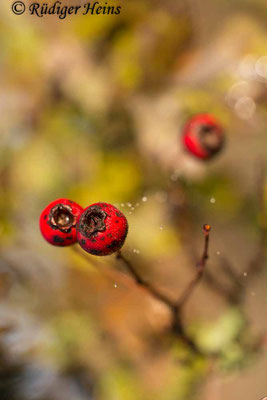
x=203, y=136
x=100, y=229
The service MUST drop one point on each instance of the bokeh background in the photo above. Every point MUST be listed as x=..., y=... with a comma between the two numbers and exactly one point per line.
x=91, y=108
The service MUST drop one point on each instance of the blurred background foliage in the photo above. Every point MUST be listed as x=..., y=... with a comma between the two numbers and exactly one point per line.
x=91, y=108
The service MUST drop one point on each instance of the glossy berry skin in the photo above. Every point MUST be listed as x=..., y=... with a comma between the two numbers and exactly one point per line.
x=203, y=136
x=101, y=229
x=58, y=222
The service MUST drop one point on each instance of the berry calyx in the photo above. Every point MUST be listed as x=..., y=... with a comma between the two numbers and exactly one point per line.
x=203, y=136
x=101, y=229
x=58, y=222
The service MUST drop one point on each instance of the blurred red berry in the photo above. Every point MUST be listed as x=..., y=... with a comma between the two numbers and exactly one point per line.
x=203, y=136
x=58, y=222
x=101, y=229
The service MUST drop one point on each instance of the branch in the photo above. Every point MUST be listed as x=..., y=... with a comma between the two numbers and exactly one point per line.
x=235, y=293
x=140, y=281
x=179, y=330
x=182, y=217
x=177, y=325
x=200, y=269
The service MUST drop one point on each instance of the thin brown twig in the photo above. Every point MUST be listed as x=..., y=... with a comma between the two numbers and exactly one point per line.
x=140, y=281
x=200, y=270
x=179, y=330
x=175, y=306
x=177, y=325
x=182, y=216
x=235, y=293
x=213, y=282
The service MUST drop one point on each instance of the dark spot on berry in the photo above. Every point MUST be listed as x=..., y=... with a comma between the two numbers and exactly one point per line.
x=102, y=238
x=95, y=252
x=58, y=239
x=109, y=235
x=83, y=241
x=69, y=237
x=119, y=214
x=117, y=221
x=45, y=216
x=113, y=245
x=54, y=227
x=93, y=240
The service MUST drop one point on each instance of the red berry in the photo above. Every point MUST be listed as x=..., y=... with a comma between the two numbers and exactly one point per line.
x=58, y=222
x=203, y=136
x=101, y=229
